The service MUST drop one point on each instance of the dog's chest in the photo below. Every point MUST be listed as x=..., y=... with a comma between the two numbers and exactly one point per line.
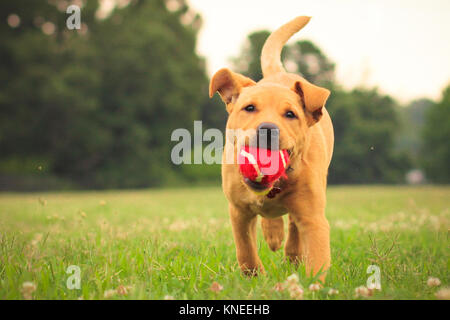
x=267, y=208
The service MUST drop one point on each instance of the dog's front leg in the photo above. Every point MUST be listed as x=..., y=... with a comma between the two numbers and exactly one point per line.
x=314, y=234
x=244, y=232
x=292, y=245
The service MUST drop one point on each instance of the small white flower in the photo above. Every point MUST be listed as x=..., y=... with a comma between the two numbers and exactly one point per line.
x=333, y=292
x=27, y=290
x=443, y=294
x=216, y=287
x=123, y=290
x=296, y=292
x=37, y=238
x=109, y=293
x=363, y=291
x=279, y=287
x=314, y=287
x=433, y=282
x=292, y=279
x=167, y=297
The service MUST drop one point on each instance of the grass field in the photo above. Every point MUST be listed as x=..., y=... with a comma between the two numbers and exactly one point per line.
x=156, y=243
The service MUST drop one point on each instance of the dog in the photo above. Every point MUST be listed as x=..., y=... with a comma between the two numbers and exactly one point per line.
x=296, y=109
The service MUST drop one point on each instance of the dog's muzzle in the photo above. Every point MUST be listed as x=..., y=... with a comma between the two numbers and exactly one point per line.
x=268, y=136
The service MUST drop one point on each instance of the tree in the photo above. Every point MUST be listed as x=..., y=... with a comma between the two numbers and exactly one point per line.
x=302, y=57
x=305, y=58
x=248, y=63
x=365, y=122
x=435, y=145
x=365, y=125
x=97, y=106
x=412, y=118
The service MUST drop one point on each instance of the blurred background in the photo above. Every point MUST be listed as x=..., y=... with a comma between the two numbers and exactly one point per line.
x=94, y=108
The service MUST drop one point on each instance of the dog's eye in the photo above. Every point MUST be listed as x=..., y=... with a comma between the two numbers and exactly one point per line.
x=250, y=108
x=290, y=115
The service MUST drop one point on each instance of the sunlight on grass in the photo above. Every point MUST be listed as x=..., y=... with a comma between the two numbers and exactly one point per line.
x=177, y=244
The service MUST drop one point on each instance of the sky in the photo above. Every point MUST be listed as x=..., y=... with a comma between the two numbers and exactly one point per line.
x=400, y=46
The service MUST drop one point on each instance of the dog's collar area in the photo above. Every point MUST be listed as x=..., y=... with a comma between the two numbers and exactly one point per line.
x=276, y=190
x=273, y=192
x=254, y=184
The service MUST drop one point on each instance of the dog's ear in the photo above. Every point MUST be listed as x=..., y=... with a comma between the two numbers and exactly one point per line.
x=229, y=85
x=313, y=98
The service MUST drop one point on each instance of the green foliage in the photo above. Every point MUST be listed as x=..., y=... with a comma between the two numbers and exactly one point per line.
x=213, y=113
x=436, y=134
x=412, y=117
x=95, y=108
x=248, y=62
x=302, y=57
x=100, y=103
x=310, y=62
x=204, y=174
x=365, y=122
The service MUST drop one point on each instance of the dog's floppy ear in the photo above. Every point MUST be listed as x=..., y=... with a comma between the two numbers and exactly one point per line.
x=229, y=85
x=313, y=98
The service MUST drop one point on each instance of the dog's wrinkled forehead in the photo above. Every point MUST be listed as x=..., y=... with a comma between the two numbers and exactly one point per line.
x=268, y=95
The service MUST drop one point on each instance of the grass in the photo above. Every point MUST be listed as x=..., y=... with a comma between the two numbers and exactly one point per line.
x=154, y=243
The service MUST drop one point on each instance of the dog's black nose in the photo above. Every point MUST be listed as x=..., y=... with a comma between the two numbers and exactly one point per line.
x=268, y=135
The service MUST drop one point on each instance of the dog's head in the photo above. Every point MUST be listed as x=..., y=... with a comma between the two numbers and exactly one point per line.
x=270, y=107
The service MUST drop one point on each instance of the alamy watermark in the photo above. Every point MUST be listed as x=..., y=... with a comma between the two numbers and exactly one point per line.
x=191, y=150
x=374, y=280
x=74, y=280
x=74, y=20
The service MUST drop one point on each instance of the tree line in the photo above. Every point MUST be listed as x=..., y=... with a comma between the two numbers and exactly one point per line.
x=95, y=107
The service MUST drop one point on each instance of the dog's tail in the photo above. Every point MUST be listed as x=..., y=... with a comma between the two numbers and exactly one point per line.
x=271, y=52
x=273, y=231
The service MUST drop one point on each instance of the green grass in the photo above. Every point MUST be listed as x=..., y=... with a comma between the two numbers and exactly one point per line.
x=178, y=242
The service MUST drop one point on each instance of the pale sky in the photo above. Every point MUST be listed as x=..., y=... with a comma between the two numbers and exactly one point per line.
x=400, y=46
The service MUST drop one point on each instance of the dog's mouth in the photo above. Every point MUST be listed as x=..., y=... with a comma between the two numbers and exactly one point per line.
x=256, y=185
x=289, y=151
x=262, y=168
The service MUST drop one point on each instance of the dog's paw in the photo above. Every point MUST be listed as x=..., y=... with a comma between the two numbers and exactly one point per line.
x=293, y=258
x=253, y=272
x=273, y=232
x=274, y=241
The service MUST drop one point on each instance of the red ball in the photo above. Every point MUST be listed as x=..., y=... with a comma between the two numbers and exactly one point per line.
x=264, y=166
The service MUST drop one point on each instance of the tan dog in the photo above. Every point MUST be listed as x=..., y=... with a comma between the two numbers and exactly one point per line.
x=296, y=108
